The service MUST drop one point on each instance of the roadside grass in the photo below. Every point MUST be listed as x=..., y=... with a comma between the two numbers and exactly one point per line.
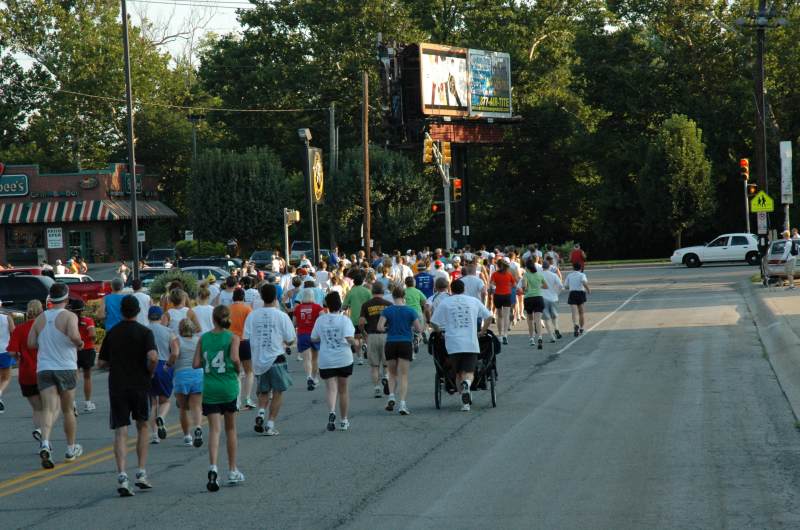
x=648, y=261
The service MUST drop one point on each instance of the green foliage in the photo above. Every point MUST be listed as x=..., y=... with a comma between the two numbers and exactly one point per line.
x=239, y=195
x=400, y=197
x=162, y=282
x=675, y=183
x=200, y=248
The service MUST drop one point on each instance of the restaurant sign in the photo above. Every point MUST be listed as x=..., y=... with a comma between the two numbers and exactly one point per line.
x=13, y=185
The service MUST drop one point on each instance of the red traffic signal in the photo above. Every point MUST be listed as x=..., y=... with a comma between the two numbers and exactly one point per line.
x=457, y=189
x=435, y=208
x=744, y=168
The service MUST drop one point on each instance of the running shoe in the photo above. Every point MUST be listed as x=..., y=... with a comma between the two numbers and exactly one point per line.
x=385, y=383
x=212, y=484
x=424, y=338
x=344, y=424
x=77, y=450
x=539, y=344
x=162, y=431
x=124, y=486
x=235, y=477
x=44, y=454
x=558, y=334
x=154, y=439
x=580, y=331
x=142, y=482
x=249, y=405
x=299, y=357
x=360, y=361
x=89, y=407
x=390, y=404
x=197, y=441
x=531, y=341
x=465, y=407
x=37, y=435
x=331, y=421
x=505, y=340
x=403, y=410
x=466, y=395
x=259, y=426
x=577, y=331
x=187, y=440
x=2, y=407
x=271, y=431
x=378, y=392
x=552, y=340
x=310, y=384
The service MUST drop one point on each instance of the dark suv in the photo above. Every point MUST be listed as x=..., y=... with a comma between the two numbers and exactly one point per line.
x=17, y=290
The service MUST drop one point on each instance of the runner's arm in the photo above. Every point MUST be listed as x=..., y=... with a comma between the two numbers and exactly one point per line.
x=382, y=324
x=237, y=363
x=174, y=351
x=197, y=360
x=152, y=362
x=72, y=331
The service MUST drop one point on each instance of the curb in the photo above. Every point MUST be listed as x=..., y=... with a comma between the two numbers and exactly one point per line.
x=780, y=341
x=589, y=266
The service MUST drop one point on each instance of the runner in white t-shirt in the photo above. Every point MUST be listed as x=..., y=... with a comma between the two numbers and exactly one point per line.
x=457, y=316
x=550, y=295
x=578, y=287
x=335, y=334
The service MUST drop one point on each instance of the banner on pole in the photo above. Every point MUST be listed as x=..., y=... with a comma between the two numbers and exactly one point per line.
x=787, y=194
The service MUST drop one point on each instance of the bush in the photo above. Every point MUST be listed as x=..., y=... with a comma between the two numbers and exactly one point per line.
x=200, y=248
x=162, y=281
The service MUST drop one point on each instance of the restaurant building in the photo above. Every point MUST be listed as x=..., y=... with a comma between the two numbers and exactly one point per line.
x=50, y=216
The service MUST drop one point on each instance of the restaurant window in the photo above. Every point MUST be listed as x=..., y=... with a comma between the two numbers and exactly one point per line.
x=22, y=237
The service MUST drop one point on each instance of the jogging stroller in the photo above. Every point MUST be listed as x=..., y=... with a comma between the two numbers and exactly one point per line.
x=485, y=371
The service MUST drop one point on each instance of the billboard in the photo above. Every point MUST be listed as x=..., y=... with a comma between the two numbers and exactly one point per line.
x=489, y=84
x=444, y=80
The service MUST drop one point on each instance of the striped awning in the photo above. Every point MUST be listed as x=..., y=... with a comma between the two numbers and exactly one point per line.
x=79, y=211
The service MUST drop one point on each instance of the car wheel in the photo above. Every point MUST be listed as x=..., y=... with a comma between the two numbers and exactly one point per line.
x=691, y=261
x=752, y=258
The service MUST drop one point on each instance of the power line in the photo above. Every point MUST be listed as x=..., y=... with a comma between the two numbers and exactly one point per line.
x=198, y=3
x=184, y=107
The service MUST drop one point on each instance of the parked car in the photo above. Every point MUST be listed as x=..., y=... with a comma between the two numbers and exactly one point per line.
x=201, y=273
x=16, y=271
x=17, y=290
x=776, y=265
x=227, y=264
x=262, y=259
x=298, y=248
x=84, y=287
x=156, y=256
x=147, y=276
x=727, y=247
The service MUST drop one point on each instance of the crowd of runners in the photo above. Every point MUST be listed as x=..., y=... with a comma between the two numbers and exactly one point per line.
x=226, y=349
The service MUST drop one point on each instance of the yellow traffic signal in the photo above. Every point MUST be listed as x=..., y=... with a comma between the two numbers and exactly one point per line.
x=427, y=151
x=744, y=167
x=446, y=156
x=752, y=189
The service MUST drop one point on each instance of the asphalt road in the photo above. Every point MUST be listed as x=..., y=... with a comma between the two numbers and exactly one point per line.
x=664, y=415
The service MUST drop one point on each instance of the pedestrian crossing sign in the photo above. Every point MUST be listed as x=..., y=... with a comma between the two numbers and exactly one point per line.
x=762, y=203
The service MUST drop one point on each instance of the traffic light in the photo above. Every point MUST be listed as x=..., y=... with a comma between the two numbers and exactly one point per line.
x=446, y=156
x=744, y=168
x=427, y=151
x=456, y=189
x=752, y=189
x=436, y=208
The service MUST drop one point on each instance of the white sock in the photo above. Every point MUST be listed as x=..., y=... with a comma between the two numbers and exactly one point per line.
x=141, y=472
x=391, y=396
x=468, y=382
x=70, y=448
x=122, y=475
x=212, y=468
x=402, y=403
x=262, y=412
x=270, y=424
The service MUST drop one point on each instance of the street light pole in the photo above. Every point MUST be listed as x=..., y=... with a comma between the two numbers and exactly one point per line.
x=762, y=20
x=365, y=140
x=134, y=237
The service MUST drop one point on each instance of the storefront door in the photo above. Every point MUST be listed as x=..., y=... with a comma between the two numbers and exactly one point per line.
x=80, y=244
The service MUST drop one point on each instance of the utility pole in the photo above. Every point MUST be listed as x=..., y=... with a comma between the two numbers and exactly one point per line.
x=365, y=141
x=195, y=119
x=134, y=235
x=331, y=164
x=448, y=224
x=762, y=19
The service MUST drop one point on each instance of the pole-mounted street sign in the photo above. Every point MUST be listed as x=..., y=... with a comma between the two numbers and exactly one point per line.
x=762, y=203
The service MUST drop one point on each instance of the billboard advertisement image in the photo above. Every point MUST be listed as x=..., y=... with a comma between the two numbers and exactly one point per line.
x=444, y=79
x=489, y=84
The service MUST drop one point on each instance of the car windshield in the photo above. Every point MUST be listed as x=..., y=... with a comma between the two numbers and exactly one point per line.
x=68, y=280
x=261, y=254
x=160, y=253
x=777, y=247
x=301, y=246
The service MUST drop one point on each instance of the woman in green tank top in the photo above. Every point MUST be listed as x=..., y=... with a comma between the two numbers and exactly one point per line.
x=218, y=355
x=533, y=283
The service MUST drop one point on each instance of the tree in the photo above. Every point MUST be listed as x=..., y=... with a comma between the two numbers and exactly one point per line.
x=400, y=197
x=239, y=195
x=675, y=183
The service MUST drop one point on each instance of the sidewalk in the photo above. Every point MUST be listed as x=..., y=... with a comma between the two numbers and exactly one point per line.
x=776, y=313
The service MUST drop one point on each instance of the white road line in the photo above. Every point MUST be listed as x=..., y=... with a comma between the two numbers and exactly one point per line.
x=611, y=314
